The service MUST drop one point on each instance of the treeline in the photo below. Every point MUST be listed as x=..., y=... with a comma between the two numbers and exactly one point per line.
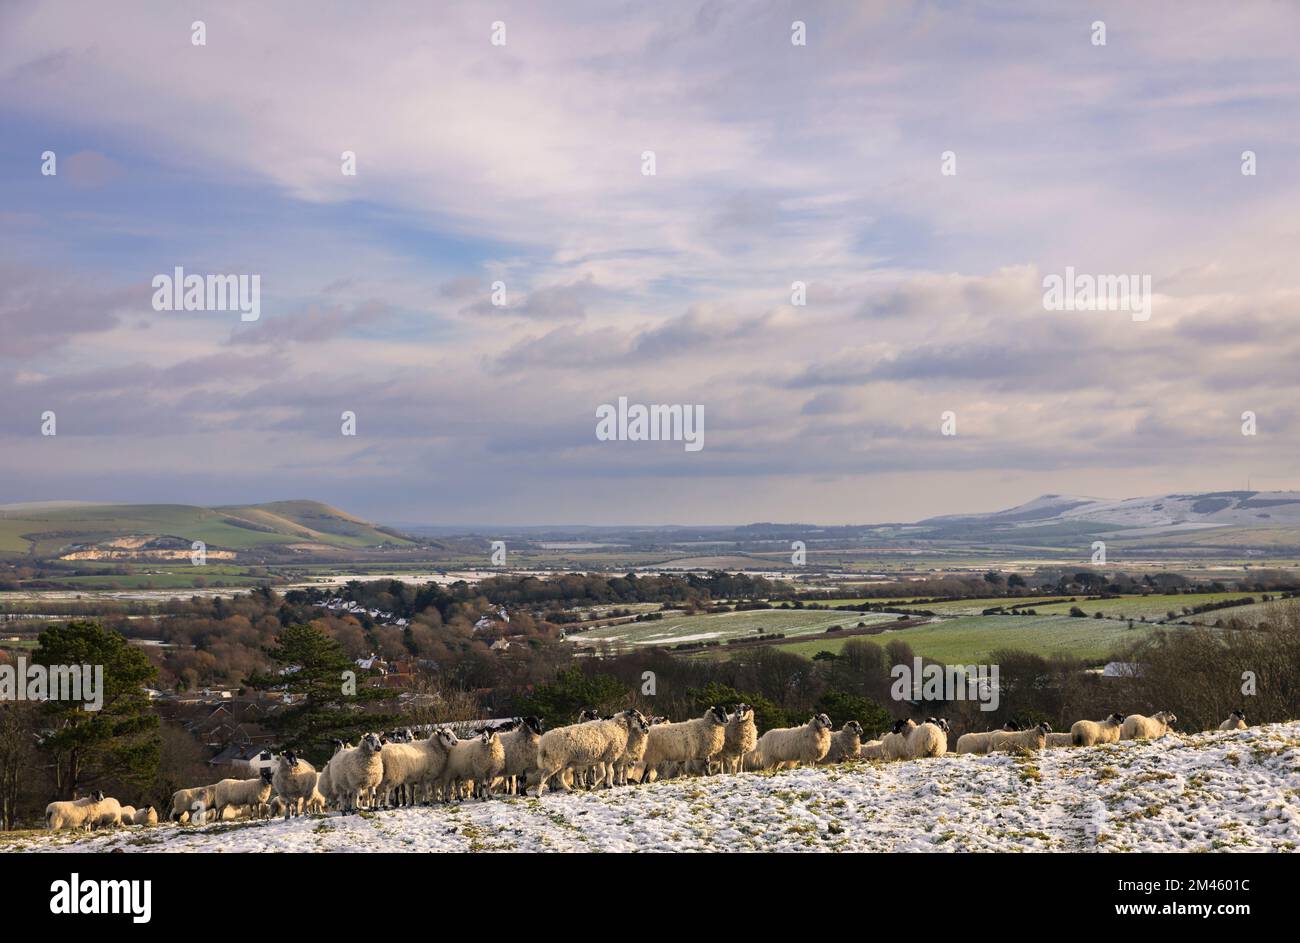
x=1063, y=582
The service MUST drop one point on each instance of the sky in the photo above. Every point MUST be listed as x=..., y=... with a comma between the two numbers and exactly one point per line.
x=524, y=164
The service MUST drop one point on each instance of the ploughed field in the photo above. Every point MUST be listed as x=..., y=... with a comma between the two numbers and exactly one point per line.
x=1213, y=791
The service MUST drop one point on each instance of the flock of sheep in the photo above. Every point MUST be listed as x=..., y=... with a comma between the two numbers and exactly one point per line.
x=519, y=757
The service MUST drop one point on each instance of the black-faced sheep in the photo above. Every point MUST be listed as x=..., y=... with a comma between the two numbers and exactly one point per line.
x=582, y=746
x=354, y=774
x=254, y=793
x=86, y=813
x=689, y=743
x=740, y=737
x=520, y=743
x=1033, y=738
x=979, y=742
x=1086, y=733
x=474, y=764
x=846, y=744
x=928, y=739
x=294, y=780
x=1138, y=727
x=1236, y=721
x=787, y=747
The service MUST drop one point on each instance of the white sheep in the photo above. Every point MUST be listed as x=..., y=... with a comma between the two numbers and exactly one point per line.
x=254, y=793
x=354, y=773
x=740, y=737
x=786, y=747
x=1236, y=721
x=473, y=765
x=846, y=744
x=147, y=816
x=893, y=745
x=294, y=780
x=872, y=750
x=128, y=815
x=1060, y=739
x=183, y=800
x=410, y=768
x=979, y=742
x=89, y=812
x=638, y=738
x=1086, y=733
x=1138, y=727
x=1032, y=738
x=581, y=746
x=110, y=814
x=928, y=739
x=520, y=744
x=686, y=744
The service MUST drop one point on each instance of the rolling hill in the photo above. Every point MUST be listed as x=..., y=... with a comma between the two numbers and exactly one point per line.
x=1229, y=519
x=165, y=531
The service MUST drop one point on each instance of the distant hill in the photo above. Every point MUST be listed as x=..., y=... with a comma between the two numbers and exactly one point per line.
x=1204, y=518
x=166, y=531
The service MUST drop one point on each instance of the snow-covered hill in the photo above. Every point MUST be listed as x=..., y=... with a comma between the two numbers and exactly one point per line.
x=1176, y=511
x=1237, y=791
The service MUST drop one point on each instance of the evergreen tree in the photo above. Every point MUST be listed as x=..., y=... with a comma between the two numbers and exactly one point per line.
x=325, y=697
x=119, y=741
x=559, y=702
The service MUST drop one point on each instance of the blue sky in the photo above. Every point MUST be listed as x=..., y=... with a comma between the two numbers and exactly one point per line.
x=521, y=163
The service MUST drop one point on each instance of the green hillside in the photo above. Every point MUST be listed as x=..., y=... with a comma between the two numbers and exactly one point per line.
x=52, y=530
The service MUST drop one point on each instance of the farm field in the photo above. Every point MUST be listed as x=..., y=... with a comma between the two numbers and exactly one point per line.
x=1152, y=607
x=1198, y=792
x=973, y=638
x=673, y=630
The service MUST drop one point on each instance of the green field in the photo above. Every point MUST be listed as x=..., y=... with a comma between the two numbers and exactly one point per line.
x=675, y=629
x=1153, y=607
x=48, y=530
x=974, y=638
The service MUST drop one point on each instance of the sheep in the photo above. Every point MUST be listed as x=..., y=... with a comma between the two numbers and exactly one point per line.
x=356, y=772
x=520, y=743
x=979, y=742
x=410, y=767
x=740, y=737
x=580, y=746
x=128, y=815
x=691, y=741
x=183, y=800
x=293, y=779
x=475, y=763
x=872, y=750
x=787, y=747
x=1138, y=727
x=928, y=739
x=1032, y=738
x=147, y=816
x=255, y=793
x=1236, y=721
x=1086, y=733
x=1060, y=739
x=88, y=813
x=638, y=738
x=846, y=744
x=893, y=745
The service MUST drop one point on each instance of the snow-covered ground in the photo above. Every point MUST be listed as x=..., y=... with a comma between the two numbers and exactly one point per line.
x=1237, y=791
